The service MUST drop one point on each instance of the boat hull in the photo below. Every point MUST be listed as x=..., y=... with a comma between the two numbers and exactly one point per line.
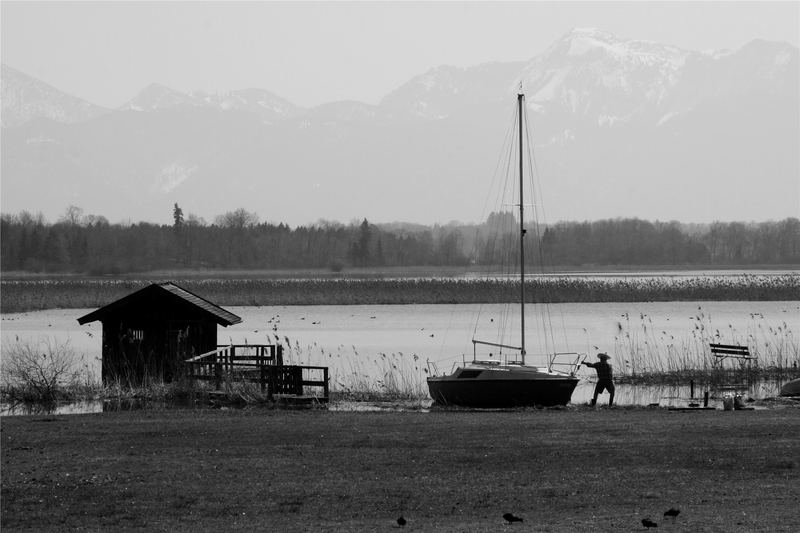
x=496, y=389
x=792, y=388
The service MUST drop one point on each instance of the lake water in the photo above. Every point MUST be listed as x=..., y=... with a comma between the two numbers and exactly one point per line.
x=380, y=343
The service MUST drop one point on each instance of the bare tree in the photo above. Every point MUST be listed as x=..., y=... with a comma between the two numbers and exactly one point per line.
x=72, y=216
x=237, y=219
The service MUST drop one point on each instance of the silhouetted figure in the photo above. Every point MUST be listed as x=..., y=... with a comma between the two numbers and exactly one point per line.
x=646, y=522
x=510, y=518
x=604, y=378
x=672, y=512
x=401, y=521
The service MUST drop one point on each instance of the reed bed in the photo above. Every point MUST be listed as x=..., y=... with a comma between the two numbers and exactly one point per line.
x=362, y=377
x=647, y=354
x=40, y=294
x=643, y=354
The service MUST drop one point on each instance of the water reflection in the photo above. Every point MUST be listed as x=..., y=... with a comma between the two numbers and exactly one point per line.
x=679, y=396
x=75, y=408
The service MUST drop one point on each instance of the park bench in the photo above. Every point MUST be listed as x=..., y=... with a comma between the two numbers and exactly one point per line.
x=724, y=351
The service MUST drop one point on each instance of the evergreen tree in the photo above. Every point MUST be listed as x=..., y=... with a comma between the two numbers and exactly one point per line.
x=177, y=216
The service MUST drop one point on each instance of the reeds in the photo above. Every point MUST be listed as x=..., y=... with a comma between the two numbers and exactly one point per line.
x=645, y=353
x=362, y=377
x=39, y=294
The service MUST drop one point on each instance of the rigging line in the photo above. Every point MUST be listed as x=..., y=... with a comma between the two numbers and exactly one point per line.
x=498, y=230
x=507, y=140
x=491, y=230
x=540, y=220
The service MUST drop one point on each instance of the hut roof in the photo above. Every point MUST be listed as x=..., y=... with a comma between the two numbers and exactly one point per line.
x=166, y=290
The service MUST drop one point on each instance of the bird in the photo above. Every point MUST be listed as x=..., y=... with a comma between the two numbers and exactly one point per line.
x=510, y=518
x=401, y=521
x=672, y=512
x=646, y=522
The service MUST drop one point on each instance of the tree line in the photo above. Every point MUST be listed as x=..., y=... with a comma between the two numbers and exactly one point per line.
x=79, y=243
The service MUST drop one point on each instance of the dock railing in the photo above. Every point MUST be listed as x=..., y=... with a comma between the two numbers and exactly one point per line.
x=258, y=363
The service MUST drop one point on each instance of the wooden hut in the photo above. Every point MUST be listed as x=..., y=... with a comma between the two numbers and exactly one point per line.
x=148, y=334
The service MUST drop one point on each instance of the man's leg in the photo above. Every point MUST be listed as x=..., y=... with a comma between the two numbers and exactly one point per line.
x=597, y=390
x=610, y=389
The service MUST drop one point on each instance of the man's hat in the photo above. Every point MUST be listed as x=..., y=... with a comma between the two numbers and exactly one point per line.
x=603, y=356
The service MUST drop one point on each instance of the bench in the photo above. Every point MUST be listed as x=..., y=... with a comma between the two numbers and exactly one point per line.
x=723, y=351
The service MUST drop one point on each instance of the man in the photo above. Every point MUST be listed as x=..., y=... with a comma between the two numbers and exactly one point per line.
x=604, y=378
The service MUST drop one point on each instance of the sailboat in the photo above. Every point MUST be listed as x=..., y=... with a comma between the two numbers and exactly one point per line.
x=498, y=383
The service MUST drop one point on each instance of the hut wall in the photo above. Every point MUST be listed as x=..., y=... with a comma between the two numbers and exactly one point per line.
x=151, y=344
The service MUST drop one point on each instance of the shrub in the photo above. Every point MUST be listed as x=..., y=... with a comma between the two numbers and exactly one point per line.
x=39, y=372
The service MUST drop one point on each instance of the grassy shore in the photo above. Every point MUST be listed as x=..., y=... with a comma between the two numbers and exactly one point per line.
x=572, y=469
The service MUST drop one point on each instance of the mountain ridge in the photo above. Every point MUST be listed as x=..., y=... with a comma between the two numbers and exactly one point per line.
x=651, y=121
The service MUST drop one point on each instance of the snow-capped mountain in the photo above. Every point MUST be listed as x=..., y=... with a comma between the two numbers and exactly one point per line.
x=445, y=90
x=266, y=104
x=596, y=74
x=621, y=127
x=25, y=98
x=157, y=97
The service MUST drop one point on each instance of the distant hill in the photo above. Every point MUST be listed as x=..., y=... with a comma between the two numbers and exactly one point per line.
x=25, y=98
x=622, y=128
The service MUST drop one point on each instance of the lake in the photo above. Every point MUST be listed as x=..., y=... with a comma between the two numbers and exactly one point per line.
x=379, y=342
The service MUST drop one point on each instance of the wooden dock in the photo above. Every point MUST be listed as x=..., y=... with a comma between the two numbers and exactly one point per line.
x=262, y=364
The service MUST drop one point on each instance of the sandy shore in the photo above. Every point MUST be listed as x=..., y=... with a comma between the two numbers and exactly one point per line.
x=573, y=469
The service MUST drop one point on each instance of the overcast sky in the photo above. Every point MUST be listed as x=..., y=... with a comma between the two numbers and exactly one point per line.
x=312, y=53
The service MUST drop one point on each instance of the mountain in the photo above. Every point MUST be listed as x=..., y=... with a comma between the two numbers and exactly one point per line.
x=25, y=98
x=445, y=91
x=622, y=128
x=157, y=97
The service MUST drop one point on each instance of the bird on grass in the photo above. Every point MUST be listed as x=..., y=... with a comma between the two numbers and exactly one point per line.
x=673, y=512
x=646, y=522
x=401, y=521
x=510, y=518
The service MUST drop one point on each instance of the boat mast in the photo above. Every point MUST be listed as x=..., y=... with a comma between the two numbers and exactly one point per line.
x=520, y=100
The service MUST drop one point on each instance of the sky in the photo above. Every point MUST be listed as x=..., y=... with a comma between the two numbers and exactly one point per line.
x=316, y=52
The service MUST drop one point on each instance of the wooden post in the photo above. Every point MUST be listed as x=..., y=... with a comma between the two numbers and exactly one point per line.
x=691, y=389
x=325, y=379
x=271, y=374
x=262, y=363
x=705, y=399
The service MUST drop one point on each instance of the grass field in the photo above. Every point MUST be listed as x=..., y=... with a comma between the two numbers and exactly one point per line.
x=572, y=469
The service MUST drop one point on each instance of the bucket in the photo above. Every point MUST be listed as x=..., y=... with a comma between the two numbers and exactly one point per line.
x=738, y=402
x=727, y=402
